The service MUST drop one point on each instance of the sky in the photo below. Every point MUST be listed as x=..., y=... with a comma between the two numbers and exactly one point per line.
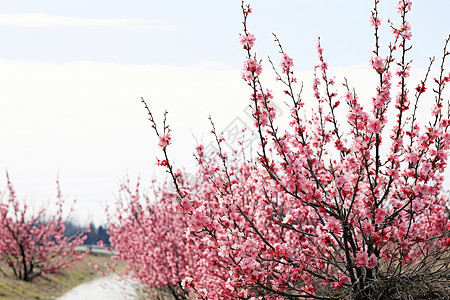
x=72, y=73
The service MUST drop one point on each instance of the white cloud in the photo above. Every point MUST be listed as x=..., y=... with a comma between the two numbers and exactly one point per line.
x=84, y=121
x=46, y=20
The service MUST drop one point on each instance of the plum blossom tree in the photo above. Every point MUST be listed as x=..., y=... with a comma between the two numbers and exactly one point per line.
x=150, y=236
x=33, y=243
x=330, y=208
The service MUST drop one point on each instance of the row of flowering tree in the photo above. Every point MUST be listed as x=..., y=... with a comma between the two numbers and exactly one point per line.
x=150, y=236
x=347, y=208
x=32, y=242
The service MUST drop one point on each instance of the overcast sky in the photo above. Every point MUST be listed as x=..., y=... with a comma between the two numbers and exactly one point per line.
x=72, y=73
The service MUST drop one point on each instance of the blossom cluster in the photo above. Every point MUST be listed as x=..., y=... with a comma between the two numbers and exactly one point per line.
x=150, y=236
x=164, y=140
x=248, y=41
x=286, y=63
x=252, y=68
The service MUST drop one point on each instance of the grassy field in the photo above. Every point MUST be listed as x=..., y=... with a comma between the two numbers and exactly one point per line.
x=53, y=286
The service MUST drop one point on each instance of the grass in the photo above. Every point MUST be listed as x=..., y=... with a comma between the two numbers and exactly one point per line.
x=51, y=286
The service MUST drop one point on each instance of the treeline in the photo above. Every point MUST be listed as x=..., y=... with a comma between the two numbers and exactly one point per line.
x=93, y=234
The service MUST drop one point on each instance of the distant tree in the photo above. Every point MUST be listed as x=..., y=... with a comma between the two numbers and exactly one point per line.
x=33, y=244
x=150, y=237
x=72, y=229
x=103, y=235
x=91, y=235
x=96, y=236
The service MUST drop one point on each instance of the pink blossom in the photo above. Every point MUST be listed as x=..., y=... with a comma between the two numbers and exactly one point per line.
x=251, y=69
x=375, y=126
x=316, y=84
x=374, y=23
x=340, y=181
x=380, y=215
x=362, y=259
x=319, y=50
x=378, y=63
x=164, y=140
x=404, y=5
x=286, y=63
x=333, y=225
x=247, y=40
x=367, y=227
x=373, y=261
x=324, y=66
x=406, y=31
